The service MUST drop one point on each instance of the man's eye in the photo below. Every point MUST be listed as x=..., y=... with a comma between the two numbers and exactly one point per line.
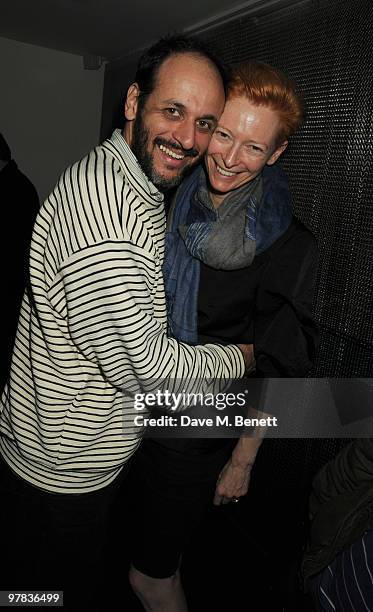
x=172, y=112
x=205, y=125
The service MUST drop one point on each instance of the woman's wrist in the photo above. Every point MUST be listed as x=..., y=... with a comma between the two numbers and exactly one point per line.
x=244, y=454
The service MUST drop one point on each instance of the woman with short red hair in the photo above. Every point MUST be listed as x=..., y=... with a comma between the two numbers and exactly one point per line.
x=239, y=267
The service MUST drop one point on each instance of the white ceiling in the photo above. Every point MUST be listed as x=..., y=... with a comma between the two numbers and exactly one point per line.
x=107, y=28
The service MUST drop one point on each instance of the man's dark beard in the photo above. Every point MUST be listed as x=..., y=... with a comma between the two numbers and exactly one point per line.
x=140, y=142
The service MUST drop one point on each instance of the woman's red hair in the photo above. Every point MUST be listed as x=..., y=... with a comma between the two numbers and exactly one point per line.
x=264, y=85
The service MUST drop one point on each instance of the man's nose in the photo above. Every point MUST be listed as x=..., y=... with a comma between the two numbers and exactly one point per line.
x=184, y=134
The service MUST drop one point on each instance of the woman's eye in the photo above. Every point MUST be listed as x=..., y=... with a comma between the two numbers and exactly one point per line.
x=221, y=135
x=254, y=149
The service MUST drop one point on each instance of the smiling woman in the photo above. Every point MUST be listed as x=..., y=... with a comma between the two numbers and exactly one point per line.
x=243, y=143
x=237, y=265
x=262, y=111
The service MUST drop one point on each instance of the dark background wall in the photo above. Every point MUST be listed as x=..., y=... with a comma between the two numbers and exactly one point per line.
x=326, y=46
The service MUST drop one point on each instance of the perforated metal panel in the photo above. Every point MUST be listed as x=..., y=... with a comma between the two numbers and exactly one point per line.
x=327, y=48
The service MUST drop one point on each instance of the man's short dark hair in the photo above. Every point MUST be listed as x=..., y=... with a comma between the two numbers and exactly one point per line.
x=5, y=154
x=175, y=44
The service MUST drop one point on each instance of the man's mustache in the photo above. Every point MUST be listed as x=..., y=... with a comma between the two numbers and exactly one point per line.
x=175, y=146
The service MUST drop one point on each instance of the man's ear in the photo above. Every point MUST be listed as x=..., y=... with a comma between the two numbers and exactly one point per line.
x=277, y=152
x=132, y=99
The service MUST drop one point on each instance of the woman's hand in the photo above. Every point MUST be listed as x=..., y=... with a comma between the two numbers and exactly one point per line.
x=233, y=482
x=234, y=479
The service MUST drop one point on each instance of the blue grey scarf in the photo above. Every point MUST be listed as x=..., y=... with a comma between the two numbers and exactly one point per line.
x=187, y=240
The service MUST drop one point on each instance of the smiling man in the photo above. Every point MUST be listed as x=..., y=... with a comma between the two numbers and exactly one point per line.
x=170, y=128
x=93, y=324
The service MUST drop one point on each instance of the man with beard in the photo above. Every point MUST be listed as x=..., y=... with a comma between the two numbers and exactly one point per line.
x=93, y=324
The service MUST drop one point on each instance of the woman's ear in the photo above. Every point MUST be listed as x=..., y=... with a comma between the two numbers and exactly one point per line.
x=277, y=152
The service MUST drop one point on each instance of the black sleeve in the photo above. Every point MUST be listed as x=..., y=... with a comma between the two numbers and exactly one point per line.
x=352, y=467
x=22, y=205
x=285, y=333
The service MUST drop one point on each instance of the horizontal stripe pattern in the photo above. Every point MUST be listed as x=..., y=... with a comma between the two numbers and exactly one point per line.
x=93, y=326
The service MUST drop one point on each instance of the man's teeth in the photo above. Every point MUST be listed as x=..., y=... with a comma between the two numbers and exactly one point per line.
x=224, y=172
x=170, y=153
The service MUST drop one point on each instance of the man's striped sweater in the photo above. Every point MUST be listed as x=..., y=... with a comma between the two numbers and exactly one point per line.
x=92, y=325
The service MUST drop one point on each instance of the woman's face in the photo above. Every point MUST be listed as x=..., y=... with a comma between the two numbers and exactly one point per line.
x=242, y=144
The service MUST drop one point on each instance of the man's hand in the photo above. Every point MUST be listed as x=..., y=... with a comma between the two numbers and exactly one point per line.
x=248, y=355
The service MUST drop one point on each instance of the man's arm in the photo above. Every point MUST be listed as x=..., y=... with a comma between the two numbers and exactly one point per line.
x=107, y=290
x=109, y=311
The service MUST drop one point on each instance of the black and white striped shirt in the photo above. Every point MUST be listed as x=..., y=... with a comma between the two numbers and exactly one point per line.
x=92, y=325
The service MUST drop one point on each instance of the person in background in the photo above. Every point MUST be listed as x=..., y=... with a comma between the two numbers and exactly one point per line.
x=20, y=205
x=93, y=327
x=238, y=264
x=338, y=564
